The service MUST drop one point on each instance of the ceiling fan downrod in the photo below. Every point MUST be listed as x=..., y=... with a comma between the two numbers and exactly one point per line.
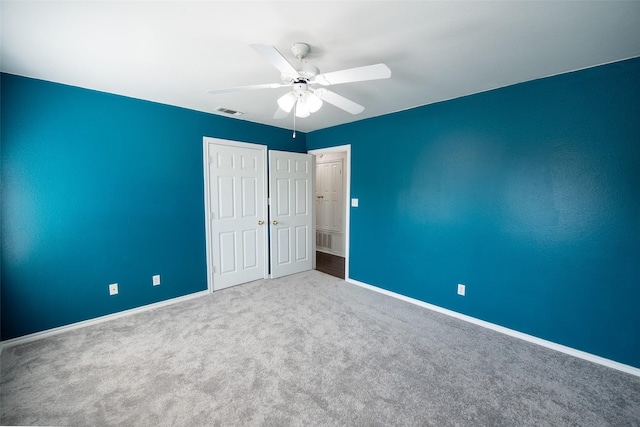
x=300, y=50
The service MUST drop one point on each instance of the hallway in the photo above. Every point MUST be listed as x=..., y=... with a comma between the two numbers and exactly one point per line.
x=330, y=264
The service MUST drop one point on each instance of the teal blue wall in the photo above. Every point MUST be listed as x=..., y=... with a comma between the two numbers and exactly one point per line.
x=99, y=188
x=529, y=195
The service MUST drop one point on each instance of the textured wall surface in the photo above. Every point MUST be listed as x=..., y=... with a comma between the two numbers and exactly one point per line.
x=529, y=195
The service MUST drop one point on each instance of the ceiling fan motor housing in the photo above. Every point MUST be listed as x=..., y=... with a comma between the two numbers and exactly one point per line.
x=308, y=71
x=300, y=87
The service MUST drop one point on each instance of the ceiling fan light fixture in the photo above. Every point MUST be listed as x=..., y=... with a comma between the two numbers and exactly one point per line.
x=313, y=102
x=287, y=101
x=302, y=108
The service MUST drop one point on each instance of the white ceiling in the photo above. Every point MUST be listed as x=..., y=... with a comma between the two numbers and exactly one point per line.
x=172, y=52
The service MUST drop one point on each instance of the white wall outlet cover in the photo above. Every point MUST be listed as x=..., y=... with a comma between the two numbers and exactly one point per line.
x=156, y=280
x=461, y=289
x=113, y=289
x=354, y=203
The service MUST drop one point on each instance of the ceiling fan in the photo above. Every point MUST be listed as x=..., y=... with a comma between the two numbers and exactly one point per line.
x=305, y=97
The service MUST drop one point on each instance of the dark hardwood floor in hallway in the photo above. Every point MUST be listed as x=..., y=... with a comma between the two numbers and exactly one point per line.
x=330, y=264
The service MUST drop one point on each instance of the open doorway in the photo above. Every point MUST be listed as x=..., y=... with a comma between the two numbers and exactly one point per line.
x=332, y=179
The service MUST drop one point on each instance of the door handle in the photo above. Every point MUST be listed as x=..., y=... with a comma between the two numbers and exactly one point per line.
x=274, y=222
x=321, y=197
x=260, y=222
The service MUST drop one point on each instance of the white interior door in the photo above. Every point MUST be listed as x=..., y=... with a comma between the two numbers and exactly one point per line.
x=291, y=212
x=236, y=212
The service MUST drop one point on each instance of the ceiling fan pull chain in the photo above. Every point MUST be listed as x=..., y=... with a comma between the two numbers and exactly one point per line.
x=295, y=113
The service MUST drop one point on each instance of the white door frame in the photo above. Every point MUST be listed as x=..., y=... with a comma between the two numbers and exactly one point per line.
x=347, y=198
x=209, y=244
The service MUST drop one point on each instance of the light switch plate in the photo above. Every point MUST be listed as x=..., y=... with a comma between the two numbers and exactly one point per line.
x=461, y=289
x=354, y=203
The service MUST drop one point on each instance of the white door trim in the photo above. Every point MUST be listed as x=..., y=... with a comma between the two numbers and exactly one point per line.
x=205, y=159
x=347, y=198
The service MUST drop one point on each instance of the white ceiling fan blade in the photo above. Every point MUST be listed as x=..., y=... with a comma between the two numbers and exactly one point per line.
x=281, y=114
x=339, y=101
x=276, y=59
x=250, y=87
x=359, y=74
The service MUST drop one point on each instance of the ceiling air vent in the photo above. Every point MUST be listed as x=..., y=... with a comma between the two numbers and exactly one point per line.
x=229, y=112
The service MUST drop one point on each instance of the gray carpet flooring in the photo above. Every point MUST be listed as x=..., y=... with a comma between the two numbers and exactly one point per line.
x=308, y=349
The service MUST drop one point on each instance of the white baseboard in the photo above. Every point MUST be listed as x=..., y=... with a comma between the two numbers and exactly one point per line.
x=55, y=331
x=529, y=338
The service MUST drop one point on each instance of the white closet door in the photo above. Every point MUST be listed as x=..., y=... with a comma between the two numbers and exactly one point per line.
x=236, y=210
x=291, y=212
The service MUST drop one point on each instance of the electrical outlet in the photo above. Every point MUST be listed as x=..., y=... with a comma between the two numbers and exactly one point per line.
x=113, y=289
x=156, y=280
x=461, y=289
